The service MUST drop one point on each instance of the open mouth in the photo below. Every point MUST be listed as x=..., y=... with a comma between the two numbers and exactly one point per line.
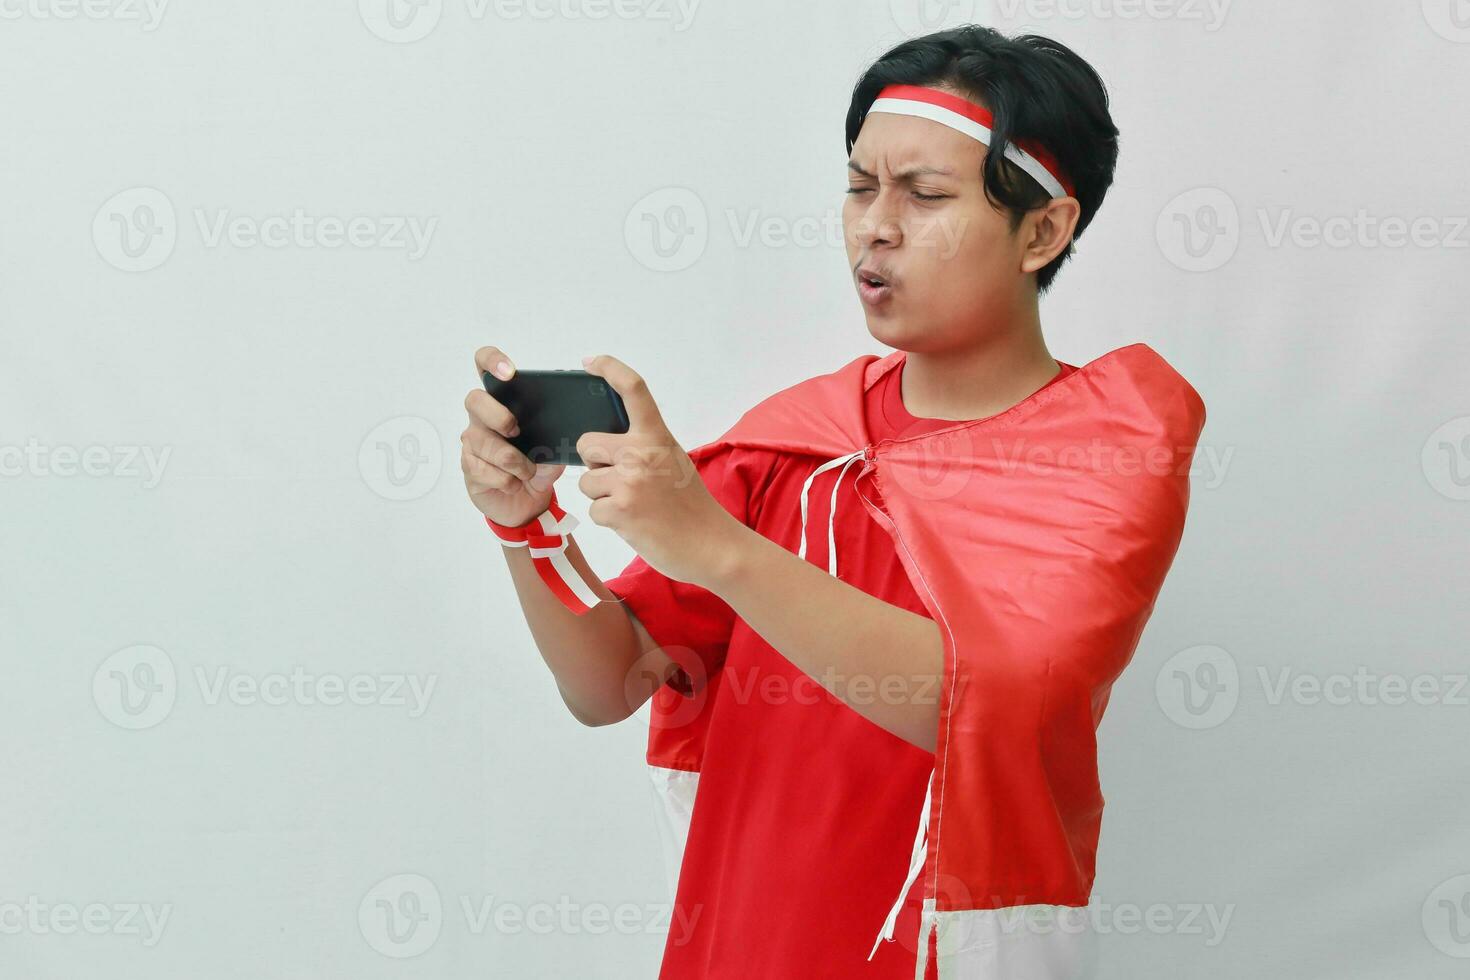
x=874, y=288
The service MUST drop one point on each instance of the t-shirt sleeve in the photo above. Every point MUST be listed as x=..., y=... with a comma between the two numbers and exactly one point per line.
x=692, y=624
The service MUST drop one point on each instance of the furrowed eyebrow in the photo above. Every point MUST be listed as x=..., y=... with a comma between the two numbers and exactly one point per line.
x=904, y=176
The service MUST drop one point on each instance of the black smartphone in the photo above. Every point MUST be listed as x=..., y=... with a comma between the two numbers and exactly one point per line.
x=554, y=408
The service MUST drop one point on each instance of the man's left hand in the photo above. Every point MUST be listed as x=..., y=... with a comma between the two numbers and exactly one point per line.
x=645, y=487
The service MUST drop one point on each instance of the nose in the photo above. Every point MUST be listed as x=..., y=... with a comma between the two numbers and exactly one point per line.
x=878, y=223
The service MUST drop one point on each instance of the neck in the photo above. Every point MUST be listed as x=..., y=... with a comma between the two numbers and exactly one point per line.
x=975, y=382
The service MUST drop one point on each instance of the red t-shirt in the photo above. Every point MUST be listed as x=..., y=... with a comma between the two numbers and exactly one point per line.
x=772, y=891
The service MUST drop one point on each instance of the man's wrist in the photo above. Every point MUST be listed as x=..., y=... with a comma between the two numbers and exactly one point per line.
x=732, y=555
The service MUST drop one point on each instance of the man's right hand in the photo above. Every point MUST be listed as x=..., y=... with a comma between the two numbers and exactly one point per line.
x=502, y=482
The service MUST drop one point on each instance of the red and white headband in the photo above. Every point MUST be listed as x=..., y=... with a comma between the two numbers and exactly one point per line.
x=975, y=121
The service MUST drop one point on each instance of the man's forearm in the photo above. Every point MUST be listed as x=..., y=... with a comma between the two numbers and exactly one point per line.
x=597, y=657
x=885, y=662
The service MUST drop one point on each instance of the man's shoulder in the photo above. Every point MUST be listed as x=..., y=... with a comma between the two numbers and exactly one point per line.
x=820, y=414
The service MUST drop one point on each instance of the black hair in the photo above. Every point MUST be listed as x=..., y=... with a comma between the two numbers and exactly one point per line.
x=1036, y=88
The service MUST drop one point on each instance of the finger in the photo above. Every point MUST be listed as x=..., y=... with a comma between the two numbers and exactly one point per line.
x=490, y=359
x=624, y=454
x=547, y=474
x=643, y=413
x=597, y=449
x=480, y=476
x=598, y=483
x=604, y=512
x=493, y=450
x=484, y=409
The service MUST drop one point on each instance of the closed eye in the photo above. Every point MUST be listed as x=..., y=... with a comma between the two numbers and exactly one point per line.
x=921, y=197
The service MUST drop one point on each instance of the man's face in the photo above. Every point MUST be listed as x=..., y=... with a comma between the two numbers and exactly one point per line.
x=916, y=213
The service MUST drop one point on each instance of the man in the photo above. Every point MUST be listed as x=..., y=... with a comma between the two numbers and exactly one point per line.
x=939, y=658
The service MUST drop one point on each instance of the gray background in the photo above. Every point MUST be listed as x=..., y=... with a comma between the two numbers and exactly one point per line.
x=585, y=184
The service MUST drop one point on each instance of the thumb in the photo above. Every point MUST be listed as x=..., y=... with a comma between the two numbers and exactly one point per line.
x=643, y=413
x=546, y=474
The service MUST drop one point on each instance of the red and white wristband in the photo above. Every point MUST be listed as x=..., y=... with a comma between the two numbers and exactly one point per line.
x=548, y=535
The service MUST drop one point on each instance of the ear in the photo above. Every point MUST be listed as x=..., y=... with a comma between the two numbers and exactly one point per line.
x=1048, y=230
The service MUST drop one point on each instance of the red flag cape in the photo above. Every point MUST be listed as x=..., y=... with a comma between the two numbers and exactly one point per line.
x=1038, y=539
